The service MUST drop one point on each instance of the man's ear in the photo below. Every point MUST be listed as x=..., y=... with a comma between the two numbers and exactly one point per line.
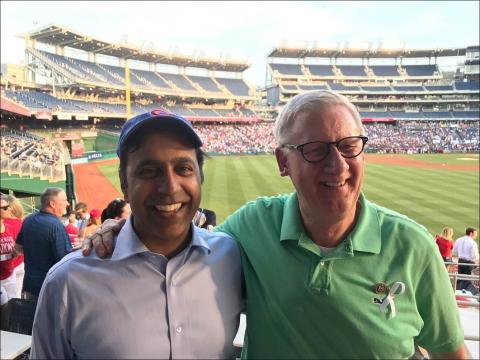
x=282, y=162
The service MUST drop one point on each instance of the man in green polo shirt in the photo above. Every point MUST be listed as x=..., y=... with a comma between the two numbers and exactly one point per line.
x=329, y=274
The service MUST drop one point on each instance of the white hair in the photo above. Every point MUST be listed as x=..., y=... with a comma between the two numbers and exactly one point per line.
x=306, y=103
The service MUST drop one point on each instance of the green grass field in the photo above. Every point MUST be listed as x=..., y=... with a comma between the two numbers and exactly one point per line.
x=432, y=197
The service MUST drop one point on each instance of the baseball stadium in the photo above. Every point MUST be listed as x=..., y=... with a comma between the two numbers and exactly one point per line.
x=63, y=109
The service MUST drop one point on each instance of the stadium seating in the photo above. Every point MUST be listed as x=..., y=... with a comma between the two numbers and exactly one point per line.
x=205, y=112
x=321, y=70
x=408, y=88
x=376, y=114
x=352, y=70
x=310, y=87
x=288, y=87
x=373, y=88
x=287, y=69
x=437, y=114
x=407, y=115
x=150, y=79
x=420, y=70
x=235, y=86
x=25, y=154
x=472, y=114
x=179, y=81
x=384, y=70
x=206, y=83
x=439, y=87
x=470, y=85
x=342, y=87
x=109, y=75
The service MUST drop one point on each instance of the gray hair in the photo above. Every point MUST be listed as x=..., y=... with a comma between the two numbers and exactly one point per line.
x=308, y=102
x=48, y=195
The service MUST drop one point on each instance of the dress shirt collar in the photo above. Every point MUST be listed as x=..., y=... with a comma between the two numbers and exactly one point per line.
x=128, y=244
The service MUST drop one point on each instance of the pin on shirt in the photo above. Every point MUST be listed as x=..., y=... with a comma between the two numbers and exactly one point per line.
x=397, y=289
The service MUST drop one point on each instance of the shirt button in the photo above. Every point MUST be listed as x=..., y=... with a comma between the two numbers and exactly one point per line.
x=322, y=263
x=178, y=329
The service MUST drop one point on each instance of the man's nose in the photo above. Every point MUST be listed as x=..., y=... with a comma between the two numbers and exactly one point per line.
x=335, y=163
x=168, y=183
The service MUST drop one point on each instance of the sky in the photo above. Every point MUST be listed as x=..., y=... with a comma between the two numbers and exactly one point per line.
x=247, y=30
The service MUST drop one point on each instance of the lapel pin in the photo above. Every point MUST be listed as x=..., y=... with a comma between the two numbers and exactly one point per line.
x=381, y=288
x=398, y=288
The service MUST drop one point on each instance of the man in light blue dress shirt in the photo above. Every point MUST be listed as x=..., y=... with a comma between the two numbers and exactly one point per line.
x=169, y=290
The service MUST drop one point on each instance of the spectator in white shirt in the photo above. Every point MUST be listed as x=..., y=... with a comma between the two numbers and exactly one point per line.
x=466, y=249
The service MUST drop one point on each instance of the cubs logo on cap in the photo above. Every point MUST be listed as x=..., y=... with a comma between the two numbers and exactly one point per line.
x=156, y=116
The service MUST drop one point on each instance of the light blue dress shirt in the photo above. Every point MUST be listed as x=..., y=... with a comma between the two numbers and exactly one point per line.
x=138, y=304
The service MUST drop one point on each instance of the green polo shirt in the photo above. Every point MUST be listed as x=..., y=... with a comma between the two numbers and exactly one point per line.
x=301, y=303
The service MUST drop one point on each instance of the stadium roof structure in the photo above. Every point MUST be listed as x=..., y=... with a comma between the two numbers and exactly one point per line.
x=343, y=52
x=58, y=35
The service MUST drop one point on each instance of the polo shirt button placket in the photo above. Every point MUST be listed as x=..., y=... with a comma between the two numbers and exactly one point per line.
x=348, y=248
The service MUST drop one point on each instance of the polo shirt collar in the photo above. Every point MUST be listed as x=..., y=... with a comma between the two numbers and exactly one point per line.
x=128, y=244
x=365, y=237
x=292, y=226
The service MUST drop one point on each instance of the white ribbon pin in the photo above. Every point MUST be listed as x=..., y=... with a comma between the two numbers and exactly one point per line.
x=397, y=289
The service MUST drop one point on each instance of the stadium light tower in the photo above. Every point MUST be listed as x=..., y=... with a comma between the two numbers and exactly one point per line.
x=127, y=90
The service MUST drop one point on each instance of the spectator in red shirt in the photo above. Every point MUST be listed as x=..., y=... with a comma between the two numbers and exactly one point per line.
x=72, y=230
x=94, y=221
x=14, y=218
x=445, y=243
x=8, y=235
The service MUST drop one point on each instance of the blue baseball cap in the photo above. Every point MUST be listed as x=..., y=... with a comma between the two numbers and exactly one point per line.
x=157, y=116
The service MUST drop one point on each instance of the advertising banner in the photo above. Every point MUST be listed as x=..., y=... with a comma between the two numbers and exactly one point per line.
x=94, y=156
x=43, y=115
x=66, y=136
x=64, y=116
x=81, y=116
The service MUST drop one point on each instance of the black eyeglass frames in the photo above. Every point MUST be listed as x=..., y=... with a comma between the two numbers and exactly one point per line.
x=316, y=151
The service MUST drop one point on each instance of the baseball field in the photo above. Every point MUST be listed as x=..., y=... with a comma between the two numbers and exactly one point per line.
x=435, y=190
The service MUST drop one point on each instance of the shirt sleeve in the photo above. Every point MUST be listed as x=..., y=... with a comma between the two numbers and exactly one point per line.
x=474, y=251
x=62, y=245
x=455, y=246
x=49, y=331
x=436, y=304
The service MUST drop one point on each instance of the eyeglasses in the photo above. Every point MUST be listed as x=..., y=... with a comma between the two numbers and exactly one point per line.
x=317, y=151
x=6, y=207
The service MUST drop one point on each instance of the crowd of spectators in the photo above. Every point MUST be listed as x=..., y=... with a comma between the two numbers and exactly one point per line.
x=409, y=137
x=27, y=154
x=237, y=139
x=413, y=137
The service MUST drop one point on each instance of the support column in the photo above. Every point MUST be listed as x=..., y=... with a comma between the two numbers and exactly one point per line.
x=127, y=90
